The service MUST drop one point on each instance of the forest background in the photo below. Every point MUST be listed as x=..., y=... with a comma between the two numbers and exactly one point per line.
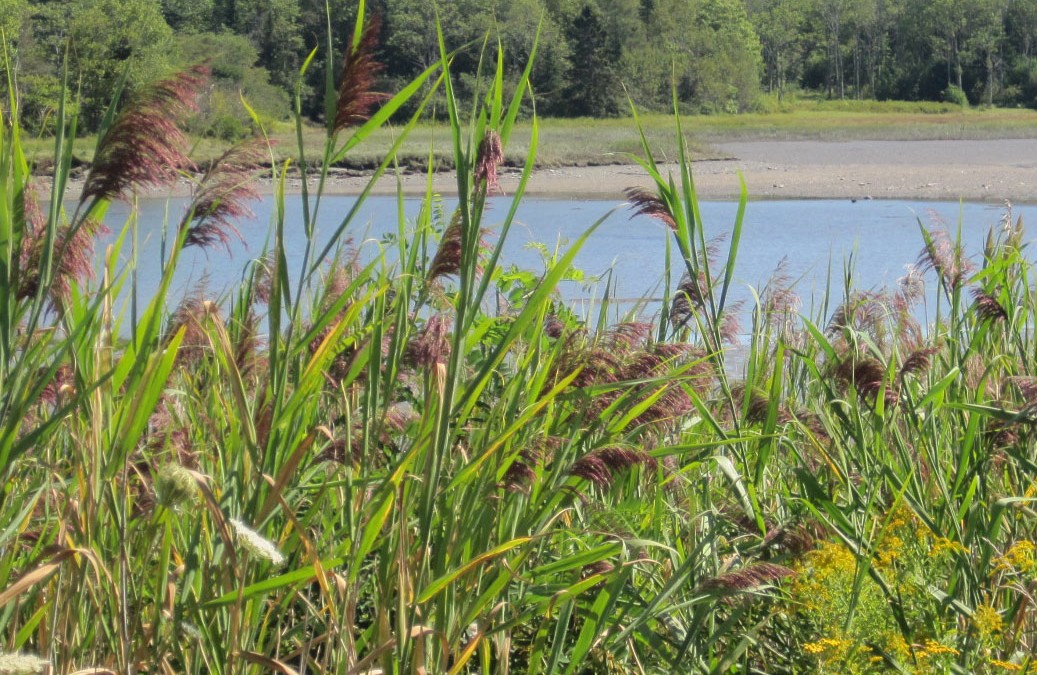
x=725, y=56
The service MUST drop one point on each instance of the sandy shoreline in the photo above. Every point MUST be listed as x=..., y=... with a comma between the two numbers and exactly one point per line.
x=987, y=170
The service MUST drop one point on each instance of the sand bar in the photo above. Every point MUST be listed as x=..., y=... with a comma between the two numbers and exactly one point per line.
x=972, y=170
x=926, y=170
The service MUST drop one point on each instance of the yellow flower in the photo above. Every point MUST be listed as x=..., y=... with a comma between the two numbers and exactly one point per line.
x=943, y=545
x=891, y=550
x=1018, y=558
x=828, y=649
x=1006, y=665
x=987, y=621
x=933, y=648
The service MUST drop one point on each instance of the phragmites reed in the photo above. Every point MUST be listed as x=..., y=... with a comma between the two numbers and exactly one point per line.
x=447, y=261
x=987, y=306
x=602, y=465
x=487, y=159
x=942, y=255
x=647, y=203
x=356, y=99
x=263, y=281
x=223, y=195
x=911, y=286
x=918, y=361
x=74, y=264
x=866, y=375
x=145, y=145
x=689, y=298
x=747, y=578
x=432, y=344
x=190, y=315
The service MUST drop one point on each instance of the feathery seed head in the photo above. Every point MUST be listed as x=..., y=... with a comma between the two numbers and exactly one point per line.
x=647, y=203
x=222, y=196
x=256, y=544
x=356, y=99
x=988, y=307
x=432, y=345
x=145, y=146
x=942, y=255
x=488, y=158
x=747, y=578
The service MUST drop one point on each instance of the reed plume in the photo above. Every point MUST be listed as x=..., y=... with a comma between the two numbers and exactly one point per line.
x=190, y=315
x=745, y=579
x=488, y=158
x=987, y=306
x=779, y=300
x=690, y=298
x=917, y=362
x=74, y=264
x=145, y=145
x=432, y=344
x=360, y=69
x=447, y=261
x=942, y=255
x=602, y=465
x=222, y=196
x=647, y=203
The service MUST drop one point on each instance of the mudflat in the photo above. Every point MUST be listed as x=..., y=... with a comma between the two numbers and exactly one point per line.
x=972, y=170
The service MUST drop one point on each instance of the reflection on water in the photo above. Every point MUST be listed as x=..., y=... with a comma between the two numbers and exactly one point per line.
x=817, y=237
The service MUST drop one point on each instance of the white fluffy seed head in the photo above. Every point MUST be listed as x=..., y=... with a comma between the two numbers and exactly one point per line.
x=19, y=664
x=256, y=544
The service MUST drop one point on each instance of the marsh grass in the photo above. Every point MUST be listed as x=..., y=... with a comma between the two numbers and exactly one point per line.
x=384, y=467
x=585, y=142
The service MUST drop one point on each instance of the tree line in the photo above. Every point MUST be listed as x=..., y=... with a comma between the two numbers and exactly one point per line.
x=717, y=55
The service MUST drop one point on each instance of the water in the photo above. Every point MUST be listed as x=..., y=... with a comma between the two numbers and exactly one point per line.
x=816, y=236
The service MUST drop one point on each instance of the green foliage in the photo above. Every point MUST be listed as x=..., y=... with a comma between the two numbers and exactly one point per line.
x=105, y=39
x=593, y=65
x=232, y=59
x=379, y=463
x=956, y=96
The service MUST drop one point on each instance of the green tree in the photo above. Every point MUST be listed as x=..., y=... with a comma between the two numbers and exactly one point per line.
x=232, y=59
x=517, y=30
x=593, y=76
x=104, y=39
x=12, y=12
x=274, y=29
x=189, y=16
x=715, y=51
x=780, y=27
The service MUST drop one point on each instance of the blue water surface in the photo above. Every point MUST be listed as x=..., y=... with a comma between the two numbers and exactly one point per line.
x=817, y=238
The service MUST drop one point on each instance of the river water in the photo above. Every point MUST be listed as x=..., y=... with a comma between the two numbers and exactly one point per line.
x=818, y=238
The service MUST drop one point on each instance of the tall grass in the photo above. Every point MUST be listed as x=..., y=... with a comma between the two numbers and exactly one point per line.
x=385, y=466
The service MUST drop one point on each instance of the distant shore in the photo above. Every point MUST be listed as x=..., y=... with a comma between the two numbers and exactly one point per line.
x=971, y=170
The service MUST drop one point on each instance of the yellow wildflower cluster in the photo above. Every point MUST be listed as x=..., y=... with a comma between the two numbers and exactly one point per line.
x=824, y=569
x=891, y=550
x=1006, y=665
x=828, y=649
x=987, y=621
x=897, y=646
x=1018, y=558
x=901, y=516
x=932, y=648
x=944, y=546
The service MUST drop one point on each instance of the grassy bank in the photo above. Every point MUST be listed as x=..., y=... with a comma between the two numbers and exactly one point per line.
x=428, y=463
x=582, y=142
